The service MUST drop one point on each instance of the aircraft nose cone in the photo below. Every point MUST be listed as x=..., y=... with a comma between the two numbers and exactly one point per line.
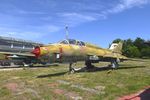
x=36, y=51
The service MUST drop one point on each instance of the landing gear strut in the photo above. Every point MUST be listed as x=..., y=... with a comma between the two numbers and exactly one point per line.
x=114, y=64
x=71, y=69
x=88, y=64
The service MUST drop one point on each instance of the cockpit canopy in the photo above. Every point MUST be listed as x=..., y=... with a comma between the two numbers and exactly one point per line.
x=72, y=42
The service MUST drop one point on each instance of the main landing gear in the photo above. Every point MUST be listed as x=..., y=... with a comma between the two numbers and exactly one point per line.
x=72, y=66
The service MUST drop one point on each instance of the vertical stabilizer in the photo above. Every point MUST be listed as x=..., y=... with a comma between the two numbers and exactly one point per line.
x=116, y=47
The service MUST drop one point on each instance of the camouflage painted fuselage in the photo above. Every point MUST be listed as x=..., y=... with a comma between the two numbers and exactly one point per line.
x=61, y=52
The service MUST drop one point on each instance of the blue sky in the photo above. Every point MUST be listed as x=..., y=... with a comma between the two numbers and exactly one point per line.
x=95, y=21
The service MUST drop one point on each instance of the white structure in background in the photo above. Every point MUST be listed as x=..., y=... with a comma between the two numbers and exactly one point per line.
x=17, y=45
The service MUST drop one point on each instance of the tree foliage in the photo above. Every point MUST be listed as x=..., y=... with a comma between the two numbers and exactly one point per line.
x=135, y=48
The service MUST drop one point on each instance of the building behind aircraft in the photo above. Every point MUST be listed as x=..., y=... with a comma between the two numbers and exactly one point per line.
x=8, y=44
x=10, y=47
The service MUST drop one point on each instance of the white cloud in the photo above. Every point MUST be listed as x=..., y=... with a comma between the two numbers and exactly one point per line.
x=35, y=33
x=52, y=16
x=125, y=4
x=30, y=36
x=79, y=16
x=53, y=28
x=44, y=28
x=131, y=3
x=73, y=19
x=20, y=11
x=22, y=35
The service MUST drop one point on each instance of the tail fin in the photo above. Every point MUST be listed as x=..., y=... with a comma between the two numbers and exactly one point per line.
x=116, y=47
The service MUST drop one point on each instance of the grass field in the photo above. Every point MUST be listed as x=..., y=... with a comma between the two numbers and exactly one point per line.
x=54, y=83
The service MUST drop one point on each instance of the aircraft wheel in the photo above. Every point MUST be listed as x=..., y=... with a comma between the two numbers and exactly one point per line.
x=71, y=67
x=114, y=65
x=25, y=65
x=31, y=65
x=72, y=71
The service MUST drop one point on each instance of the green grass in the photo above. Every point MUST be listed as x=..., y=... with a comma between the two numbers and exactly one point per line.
x=42, y=83
x=2, y=56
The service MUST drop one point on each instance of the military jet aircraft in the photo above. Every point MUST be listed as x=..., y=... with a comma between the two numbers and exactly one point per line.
x=71, y=51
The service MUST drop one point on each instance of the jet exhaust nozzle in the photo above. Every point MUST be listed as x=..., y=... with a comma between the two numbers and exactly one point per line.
x=36, y=51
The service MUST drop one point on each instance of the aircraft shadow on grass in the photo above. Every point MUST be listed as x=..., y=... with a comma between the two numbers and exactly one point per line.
x=84, y=69
x=139, y=60
x=52, y=75
x=105, y=68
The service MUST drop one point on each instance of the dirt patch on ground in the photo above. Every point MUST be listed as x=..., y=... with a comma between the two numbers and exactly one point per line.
x=53, y=85
x=142, y=95
x=12, y=86
x=73, y=95
x=96, y=90
x=69, y=95
x=19, y=89
x=59, y=91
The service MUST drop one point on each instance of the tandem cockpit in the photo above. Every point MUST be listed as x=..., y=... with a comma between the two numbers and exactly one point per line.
x=72, y=42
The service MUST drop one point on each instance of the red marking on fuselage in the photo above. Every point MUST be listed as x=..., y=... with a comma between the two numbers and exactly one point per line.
x=61, y=52
x=36, y=52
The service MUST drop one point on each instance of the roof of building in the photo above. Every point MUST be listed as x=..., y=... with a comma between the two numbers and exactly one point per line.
x=12, y=40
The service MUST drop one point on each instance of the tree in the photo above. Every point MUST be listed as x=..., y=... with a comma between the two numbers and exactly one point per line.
x=139, y=43
x=145, y=52
x=137, y=48
x=117, y=40
x=126, y=44
x=133, y=51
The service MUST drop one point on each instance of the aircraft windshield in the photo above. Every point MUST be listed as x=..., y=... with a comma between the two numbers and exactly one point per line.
x=64, y=42
x=72, y=41
x=82, y=43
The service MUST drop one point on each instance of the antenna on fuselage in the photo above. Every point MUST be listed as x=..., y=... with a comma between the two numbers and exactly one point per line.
x=67, y=32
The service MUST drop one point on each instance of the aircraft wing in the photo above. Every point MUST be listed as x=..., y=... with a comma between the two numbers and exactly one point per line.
x=121, y=57
x=18, y=54
x=115, y=55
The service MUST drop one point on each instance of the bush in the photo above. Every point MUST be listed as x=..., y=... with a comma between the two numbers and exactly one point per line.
x=137, y=48
x=133, y=51
x=145, y=52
